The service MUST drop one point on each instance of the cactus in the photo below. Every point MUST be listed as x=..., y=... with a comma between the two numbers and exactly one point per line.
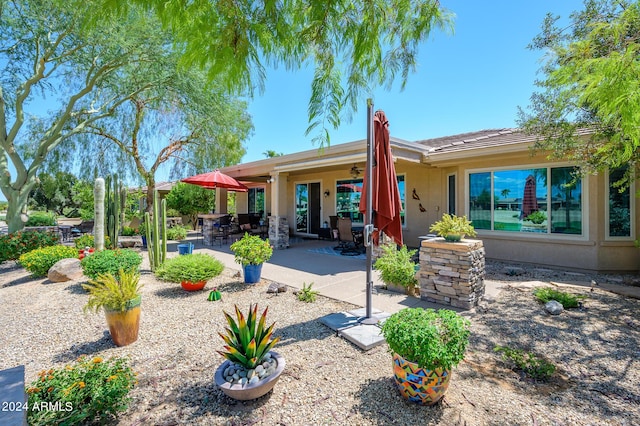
x=156, y=248
x=98, y=224
x=114, y=207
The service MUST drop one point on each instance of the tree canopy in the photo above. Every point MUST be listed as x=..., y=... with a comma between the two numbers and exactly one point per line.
x=591, y=81
x=353, y=45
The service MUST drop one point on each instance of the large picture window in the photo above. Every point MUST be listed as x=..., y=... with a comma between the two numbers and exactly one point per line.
x=542, y=200
x=348, y=193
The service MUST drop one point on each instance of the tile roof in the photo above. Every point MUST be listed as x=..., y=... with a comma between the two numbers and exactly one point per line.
x=478, y=139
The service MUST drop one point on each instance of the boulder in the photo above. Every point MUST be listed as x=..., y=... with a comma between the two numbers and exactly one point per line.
x=553, y=307
x=65, y=270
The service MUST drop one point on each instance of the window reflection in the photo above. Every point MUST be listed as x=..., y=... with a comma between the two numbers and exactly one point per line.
x=521, y=200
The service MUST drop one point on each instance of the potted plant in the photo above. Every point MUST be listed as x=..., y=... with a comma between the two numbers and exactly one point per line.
x=192, y=271
x=396, y=268
x=120, y=298
x=453, y=228
x=425, y=345
x=251, y=252
x=251, y=368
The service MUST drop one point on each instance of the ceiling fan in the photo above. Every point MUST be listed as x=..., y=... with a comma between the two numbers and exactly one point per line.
x=355, y=171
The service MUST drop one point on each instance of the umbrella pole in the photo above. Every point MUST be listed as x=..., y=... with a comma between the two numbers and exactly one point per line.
x=369, y=206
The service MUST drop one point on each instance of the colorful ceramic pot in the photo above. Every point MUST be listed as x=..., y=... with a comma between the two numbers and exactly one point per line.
x=425, y=387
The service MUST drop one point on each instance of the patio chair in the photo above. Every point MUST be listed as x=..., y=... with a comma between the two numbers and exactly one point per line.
x=346, y=244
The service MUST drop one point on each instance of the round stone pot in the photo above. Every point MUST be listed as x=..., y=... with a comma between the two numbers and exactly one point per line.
x=124, y=325
x=193, y=286
x=249, y=391
x=424, y=387
x=252, y=273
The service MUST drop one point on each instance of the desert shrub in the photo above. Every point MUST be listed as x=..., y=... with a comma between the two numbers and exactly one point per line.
x=307, y=294
x=546, y=294
x=41, y=219
x=177, y=233
x=87, y=240
x=173, y=213
x=40, y=260
x=18, y=243
x=396, y=266
x=110, y=262
x=190, y=267
x=89, y=390
x=527, y=362
x=128, y=231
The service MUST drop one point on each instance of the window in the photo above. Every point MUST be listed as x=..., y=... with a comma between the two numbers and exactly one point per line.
x=256, y=200
x=542, y=200
x=348, y=193
x=451, y=194
x=619, y=206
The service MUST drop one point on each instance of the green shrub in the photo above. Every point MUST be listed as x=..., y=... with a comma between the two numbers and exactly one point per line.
x=545, y=294
x=173, y=213
x=41, y=219
x=128, y=231
x=39, y=261
x=18, y=243
x=177, y=233
x=110, y=262
x=536, y=217
x=87, y=240
x=396, y=267
x=307, y=294
x=89, y=390
x=530, y=364
x=189, y=267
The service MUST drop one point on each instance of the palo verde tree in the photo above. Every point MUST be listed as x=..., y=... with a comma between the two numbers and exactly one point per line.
x=591, y=80
x=352, y=45
x=47, y=52
x=180, y=119
x=54, y=192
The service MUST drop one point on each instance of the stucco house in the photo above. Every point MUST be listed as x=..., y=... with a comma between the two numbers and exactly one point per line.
x=490, y=176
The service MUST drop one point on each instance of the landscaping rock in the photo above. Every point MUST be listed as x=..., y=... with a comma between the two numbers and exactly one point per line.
x=277, y=288
x=553, y=307
x=65, y=270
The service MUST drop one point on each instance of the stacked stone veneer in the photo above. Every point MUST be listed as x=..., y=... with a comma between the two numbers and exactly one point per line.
x=452, y=273
x=279, y=232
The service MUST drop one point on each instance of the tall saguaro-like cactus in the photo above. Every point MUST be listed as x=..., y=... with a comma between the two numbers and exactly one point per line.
x=98, y=210
x=156, y=228
x=114, y=204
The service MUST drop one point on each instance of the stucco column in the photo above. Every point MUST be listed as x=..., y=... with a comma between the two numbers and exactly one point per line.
x=221, y=200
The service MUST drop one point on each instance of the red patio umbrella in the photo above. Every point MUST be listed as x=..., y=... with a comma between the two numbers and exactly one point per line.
x=529, y=198
x=386, y=202
x=216, y=179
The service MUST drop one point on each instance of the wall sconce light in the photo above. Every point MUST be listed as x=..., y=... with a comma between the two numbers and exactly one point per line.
x=326, y=193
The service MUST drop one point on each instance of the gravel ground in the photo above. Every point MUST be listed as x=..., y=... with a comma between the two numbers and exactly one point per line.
x=328, y=380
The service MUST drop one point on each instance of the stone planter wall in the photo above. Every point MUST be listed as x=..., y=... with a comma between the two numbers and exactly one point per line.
x=279, y=232
x=452, y=273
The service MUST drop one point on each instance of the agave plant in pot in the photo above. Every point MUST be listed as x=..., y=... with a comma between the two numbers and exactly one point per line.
x=425, y=344
x=251, y=368
x=120, y=298
x=251, y=252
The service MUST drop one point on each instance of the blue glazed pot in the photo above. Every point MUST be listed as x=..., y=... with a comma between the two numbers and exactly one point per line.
x=252, y=273
x=186, y=248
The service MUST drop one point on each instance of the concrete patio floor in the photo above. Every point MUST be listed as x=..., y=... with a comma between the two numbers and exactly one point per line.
x=333, y=275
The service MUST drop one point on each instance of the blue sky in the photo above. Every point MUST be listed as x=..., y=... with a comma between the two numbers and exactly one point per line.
x=471, y=80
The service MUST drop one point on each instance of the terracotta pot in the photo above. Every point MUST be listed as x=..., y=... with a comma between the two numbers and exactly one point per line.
x=193, y=286
x=419, y=385
x=249, y=391
x=124, y=325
